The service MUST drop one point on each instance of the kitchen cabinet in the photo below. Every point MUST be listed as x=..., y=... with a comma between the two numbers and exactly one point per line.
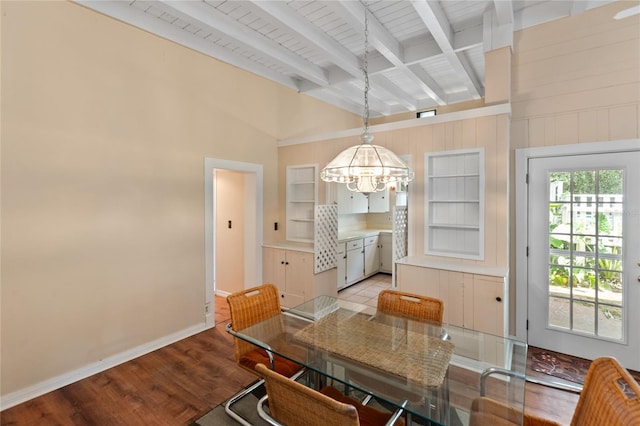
x=379, y=201
x=341, y=259
x=354, y=261
x=472, y=300
x=371, y=255
x=350, y=202
x=385, y=242
x=302, y=196
x=292, y=271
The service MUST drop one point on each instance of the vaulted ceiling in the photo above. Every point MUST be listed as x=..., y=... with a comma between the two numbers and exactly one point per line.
x=421, y=54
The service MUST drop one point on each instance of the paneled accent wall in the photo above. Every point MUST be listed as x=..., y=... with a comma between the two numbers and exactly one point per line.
x=490, y=132
x=577, y=80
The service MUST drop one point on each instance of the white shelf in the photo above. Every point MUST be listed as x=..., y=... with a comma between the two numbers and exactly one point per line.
x=454, y=198
x=302, y=196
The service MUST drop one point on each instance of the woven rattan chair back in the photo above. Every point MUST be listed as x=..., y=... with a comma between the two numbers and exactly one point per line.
x=249, y=307
x=294, y=404
x=411, y=305
x=610, y=396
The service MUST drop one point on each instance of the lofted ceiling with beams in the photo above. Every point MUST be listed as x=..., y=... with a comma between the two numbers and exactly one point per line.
x=421, y=54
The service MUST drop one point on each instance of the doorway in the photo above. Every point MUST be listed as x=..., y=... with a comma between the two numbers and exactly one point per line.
x=252, y=227
x=583, y=229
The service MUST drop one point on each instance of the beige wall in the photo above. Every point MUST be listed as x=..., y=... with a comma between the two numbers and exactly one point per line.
x=104, y=132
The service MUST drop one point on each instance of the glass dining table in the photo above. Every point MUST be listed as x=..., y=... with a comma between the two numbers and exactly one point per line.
x=431, y=371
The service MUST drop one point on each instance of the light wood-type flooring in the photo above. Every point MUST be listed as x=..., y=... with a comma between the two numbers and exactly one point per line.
x=179, y=383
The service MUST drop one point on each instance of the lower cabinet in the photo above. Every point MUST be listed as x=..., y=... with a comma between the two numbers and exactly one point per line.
x=371, y=256
x=385, y=243
x=293, y=273
x=471, y=300
x=355, y=261
x=341, y=260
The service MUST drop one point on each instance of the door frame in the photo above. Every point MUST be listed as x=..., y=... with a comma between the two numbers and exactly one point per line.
x=522, y=209
x=253, y=228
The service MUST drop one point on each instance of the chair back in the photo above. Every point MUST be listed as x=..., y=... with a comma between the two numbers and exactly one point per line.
x=610, y=396
x=412, y=306
x=250, y=306
x=294, y=404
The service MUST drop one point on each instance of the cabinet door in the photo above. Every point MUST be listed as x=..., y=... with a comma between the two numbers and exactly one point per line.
x=488, y=306
x=299, y=278
x=371, y=256
x=350, y=202
x=274, y=267
x=386, y=259
x=355, y=265
x=379, y=201
x=341, y=260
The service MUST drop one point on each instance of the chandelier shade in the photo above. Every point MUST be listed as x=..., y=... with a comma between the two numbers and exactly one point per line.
x=366, y=167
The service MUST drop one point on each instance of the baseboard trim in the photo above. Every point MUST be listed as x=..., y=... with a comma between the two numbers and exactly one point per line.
x=23, y=395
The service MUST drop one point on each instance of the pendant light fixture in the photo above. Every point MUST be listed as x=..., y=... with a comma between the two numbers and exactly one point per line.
x=367, y=167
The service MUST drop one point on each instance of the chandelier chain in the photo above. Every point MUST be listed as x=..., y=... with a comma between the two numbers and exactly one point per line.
x=365, y=70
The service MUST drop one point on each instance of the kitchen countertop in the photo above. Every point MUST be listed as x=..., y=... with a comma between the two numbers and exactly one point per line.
x=288, y=245
x=361, y=233
x=342, y=237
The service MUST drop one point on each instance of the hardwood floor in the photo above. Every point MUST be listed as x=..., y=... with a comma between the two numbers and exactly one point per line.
x=179, y=383
x=174, y=385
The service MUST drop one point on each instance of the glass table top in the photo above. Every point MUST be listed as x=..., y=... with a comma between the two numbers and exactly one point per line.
x=432, y=371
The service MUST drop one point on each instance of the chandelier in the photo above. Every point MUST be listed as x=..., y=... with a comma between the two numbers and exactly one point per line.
x=367, y=167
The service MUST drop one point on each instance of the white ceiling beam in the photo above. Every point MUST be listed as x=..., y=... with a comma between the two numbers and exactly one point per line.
x=222, y=24
x=381, y=40
x=438, y=25
x=284, y=14
x=380, y=82
x=504, y=11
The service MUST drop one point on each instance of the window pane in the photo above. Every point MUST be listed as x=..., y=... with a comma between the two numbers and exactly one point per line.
x=559, y=312
x=584, y=316
x=610, y=322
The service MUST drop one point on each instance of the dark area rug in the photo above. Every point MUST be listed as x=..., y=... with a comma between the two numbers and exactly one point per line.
x=562, y=366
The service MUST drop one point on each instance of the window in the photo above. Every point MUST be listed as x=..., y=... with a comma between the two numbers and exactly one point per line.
x=427, y=113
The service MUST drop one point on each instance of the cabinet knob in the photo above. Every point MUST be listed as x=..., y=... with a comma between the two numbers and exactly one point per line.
x=282, y=262
x=282, y=295
x=286, y=263
x=498, y=299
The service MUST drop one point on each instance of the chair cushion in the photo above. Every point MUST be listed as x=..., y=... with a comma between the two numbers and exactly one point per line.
x=368, y=416
x=259, y=356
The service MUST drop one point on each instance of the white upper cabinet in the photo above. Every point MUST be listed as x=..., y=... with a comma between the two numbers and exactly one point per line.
x=454, y=204
x=350, y=202
x=379, y=201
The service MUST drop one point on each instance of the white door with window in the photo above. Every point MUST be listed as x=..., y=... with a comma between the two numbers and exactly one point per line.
x=583, y=266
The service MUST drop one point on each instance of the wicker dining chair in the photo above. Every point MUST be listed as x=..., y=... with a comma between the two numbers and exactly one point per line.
x=610, y=396
x=410, y=305
x=294, y=404
x=248, y=307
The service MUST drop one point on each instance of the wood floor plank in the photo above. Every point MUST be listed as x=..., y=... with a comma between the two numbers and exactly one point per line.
x=179, y=383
